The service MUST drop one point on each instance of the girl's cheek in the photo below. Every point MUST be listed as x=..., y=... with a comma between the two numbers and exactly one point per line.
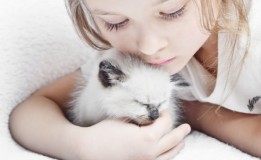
x=122, y=45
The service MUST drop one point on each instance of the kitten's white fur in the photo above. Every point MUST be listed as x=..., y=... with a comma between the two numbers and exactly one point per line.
x=127, y=96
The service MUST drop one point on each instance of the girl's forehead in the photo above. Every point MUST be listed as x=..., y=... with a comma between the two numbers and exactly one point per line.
x=113, y=6
x=115, y=2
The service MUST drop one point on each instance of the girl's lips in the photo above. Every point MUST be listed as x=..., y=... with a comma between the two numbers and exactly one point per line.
x=159, y=63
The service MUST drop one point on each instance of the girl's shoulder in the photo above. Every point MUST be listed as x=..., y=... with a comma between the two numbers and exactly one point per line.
x=254, y=14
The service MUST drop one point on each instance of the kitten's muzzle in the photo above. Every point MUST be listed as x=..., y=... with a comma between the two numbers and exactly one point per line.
x=153, y=112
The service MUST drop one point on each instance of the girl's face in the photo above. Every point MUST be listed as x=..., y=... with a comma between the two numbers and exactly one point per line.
x=162, y=32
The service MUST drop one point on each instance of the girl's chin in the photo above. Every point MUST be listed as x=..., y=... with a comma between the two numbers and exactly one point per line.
x=173, y=70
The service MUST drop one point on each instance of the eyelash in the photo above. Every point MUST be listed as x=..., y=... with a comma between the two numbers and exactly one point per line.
x=116, y=26
x=174, y=15
x=171, y=16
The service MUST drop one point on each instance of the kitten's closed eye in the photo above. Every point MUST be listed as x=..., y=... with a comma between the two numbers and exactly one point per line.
x=153, y=109
x=147, y=104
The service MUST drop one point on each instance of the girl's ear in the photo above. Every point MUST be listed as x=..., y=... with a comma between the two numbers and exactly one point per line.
x=110, y=74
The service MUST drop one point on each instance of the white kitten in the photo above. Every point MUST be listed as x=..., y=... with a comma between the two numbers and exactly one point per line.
x=123, y=86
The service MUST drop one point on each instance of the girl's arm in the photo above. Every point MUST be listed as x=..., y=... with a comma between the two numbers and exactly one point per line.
x=39, y=125
x=238, y=129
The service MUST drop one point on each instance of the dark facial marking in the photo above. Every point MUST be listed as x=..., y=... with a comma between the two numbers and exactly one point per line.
x=180, y=81
x=109, y=74
x=153, y=112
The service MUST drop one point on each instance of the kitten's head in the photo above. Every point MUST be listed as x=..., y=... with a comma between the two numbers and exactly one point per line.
x=136, y=91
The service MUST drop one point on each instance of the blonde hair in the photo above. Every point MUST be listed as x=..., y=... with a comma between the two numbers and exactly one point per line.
x=232, y=19
x=84, y=24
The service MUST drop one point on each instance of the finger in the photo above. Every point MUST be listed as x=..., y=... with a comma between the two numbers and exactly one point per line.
x=173, y=138
x=161, y=126
x=172, y=152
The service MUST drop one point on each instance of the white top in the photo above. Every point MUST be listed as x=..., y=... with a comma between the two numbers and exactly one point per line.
x=246, y=96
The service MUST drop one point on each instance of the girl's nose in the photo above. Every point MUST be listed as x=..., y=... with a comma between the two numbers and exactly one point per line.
x=150, y=42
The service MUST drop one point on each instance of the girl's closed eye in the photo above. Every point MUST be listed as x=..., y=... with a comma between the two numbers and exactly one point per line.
x=173, y=15
x=166, y=16
x=116, y=26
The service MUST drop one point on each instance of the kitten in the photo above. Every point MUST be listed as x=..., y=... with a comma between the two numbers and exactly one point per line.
x=125, y=87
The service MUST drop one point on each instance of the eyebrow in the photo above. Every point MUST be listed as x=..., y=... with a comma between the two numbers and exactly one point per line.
x=100, y=12
x=162, y=1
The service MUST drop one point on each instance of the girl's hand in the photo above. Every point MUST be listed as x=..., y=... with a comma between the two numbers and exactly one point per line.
x=117, y=140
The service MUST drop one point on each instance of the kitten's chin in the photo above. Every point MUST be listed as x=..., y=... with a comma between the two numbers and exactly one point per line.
x=138, y=121
x=142, y=122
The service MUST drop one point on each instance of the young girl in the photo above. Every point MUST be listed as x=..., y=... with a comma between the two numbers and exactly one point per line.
x=213, y=44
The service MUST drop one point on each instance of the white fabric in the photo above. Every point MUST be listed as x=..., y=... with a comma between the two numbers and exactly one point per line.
x=249, y=82
x=37, y=45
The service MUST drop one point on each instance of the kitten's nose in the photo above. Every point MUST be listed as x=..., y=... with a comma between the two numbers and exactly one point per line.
x=154, y=114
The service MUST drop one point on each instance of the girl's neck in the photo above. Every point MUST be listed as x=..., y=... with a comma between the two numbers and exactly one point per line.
x=208, y=53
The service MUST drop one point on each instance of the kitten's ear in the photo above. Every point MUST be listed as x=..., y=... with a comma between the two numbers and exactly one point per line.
x=179, y=82
x=110, y=74
x=182, y=88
